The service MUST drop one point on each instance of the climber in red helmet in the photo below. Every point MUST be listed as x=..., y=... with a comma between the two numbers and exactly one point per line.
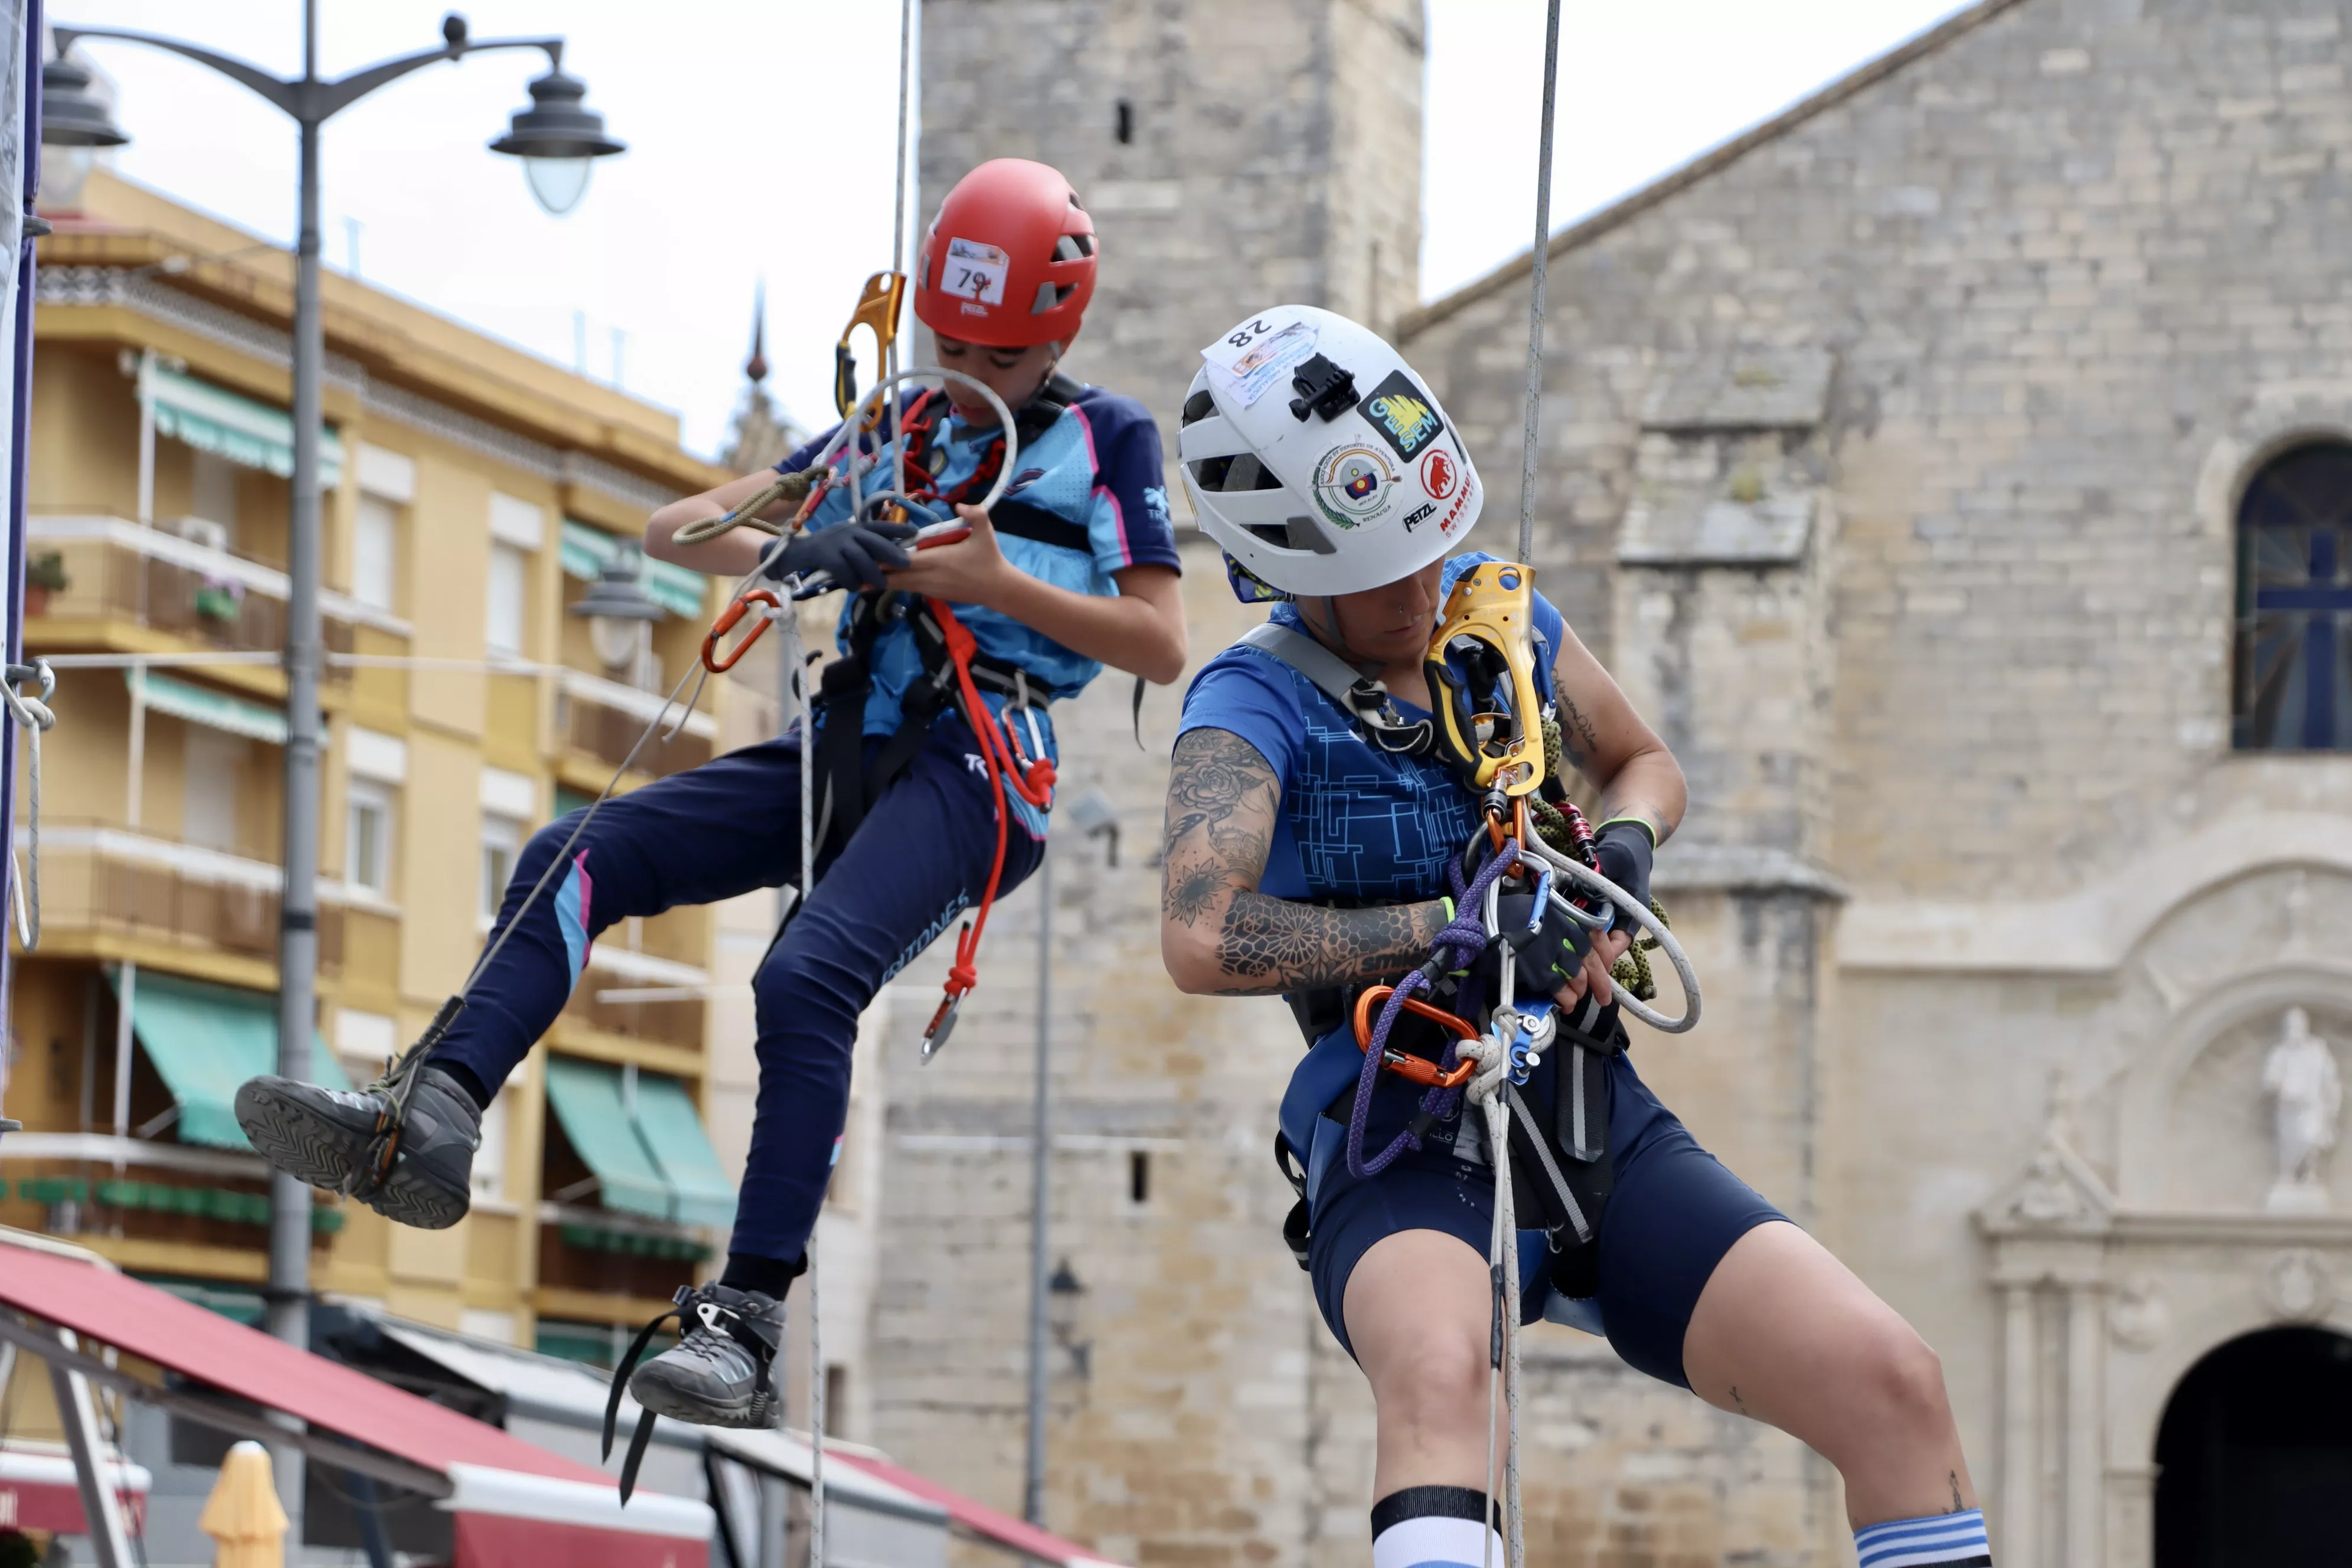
x=1073, y=568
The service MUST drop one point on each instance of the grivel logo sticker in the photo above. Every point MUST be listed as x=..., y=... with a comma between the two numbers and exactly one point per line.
x=1401, y=414
x=1350, y=484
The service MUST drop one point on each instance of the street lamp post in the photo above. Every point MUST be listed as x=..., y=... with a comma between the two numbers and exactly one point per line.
x=555, y=138
x=1093, y=816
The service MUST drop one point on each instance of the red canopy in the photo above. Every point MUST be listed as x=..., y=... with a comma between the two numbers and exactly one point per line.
x=38, y=1489
x=492, y=1475
x=977, y=1519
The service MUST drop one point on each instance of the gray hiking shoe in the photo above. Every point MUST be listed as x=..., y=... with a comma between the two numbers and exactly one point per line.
x=413, y=1164
x=717, y=1375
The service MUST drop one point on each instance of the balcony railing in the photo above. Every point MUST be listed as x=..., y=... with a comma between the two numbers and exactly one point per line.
x=642, y=996
x=603, y=719
x=102, y=879
x=117, y=570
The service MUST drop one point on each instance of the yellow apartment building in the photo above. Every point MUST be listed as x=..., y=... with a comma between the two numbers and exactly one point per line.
x=473, y=494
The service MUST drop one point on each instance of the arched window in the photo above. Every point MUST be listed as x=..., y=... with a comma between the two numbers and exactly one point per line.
x=2292, y=686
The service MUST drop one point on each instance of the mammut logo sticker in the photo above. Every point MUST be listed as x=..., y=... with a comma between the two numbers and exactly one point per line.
x=1438, y=473
x=1401, y=414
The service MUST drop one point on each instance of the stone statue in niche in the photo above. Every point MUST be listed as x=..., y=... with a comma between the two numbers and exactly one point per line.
x=2306, y=1094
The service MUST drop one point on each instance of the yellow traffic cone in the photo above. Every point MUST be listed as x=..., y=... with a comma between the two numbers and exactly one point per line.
x=242, y=1516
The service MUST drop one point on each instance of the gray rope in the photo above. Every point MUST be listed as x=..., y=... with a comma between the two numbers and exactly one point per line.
x=1541, y=254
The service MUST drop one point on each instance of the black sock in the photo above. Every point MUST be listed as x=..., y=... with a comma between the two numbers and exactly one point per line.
x=768, y=1275
x=467, y=1079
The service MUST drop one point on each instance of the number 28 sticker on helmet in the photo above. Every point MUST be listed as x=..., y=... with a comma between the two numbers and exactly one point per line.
x=1354, y=479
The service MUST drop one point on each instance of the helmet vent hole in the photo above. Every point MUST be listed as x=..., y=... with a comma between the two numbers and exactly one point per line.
x=1073, y=248
x=1198, y=406
x=1050, y=295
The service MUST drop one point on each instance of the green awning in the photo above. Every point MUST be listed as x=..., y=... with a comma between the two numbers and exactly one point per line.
x=205, y=1041
x=585, y=550
x=673, y=1130
x=214, y=419
x=215, y=710
x=587, y=1099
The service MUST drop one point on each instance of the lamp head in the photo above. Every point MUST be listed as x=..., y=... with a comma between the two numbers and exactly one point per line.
x=558, y=140
x=617, y=611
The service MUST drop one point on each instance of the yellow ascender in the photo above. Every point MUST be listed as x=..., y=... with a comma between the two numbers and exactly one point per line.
x=1481, y=671
x=878, y=312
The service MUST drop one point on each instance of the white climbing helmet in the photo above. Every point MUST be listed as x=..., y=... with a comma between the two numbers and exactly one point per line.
x=1319, y=460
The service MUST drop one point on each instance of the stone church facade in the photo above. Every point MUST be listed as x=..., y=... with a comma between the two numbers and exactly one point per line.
x=1913, y=462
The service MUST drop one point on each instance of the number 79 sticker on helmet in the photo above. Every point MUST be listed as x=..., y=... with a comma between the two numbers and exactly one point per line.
x=974, y=271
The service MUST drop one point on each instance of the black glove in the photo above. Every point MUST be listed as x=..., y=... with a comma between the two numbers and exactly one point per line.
x=1623, y=850
x=1547, y=958
x=852, y=554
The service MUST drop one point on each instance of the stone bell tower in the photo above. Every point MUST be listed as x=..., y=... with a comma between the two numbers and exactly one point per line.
x=1233, y=154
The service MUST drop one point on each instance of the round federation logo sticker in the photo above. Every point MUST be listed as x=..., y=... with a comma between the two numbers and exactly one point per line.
x=1350, y=484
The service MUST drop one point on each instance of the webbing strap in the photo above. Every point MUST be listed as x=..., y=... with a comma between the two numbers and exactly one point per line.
x=1366, y=701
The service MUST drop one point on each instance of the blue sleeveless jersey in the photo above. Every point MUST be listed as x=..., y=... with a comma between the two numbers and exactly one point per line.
x=1357, y=821
x=1096, y=469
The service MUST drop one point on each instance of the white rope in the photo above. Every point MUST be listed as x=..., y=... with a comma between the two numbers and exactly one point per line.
x=796, y=679
x=1489, y=1090
x=1539, y=258
x=33, y=716
x=891, y=380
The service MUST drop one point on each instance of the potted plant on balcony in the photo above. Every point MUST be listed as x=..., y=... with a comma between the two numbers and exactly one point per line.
x=221, y=599
x=45, y=575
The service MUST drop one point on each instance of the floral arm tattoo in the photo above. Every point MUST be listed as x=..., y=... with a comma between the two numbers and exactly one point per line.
x=1221, y=800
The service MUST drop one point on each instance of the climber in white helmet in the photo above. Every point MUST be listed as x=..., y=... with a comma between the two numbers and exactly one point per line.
x=1319, y=814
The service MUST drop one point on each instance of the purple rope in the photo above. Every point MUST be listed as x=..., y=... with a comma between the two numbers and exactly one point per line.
x=1457, y=946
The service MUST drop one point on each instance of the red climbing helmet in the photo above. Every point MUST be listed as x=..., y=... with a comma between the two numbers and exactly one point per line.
x=1010, y=260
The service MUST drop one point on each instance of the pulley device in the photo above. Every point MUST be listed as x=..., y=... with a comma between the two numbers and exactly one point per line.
x=1481, y=679
x=878, y=312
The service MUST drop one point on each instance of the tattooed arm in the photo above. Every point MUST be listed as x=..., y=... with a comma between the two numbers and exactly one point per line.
x=1602, y=738
x=1218, y=934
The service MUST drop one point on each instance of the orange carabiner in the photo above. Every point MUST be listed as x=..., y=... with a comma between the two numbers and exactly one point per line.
x=726, y=622
x=1420, y=1070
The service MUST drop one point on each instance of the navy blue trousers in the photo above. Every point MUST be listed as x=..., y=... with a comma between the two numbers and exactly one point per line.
x=732, y=827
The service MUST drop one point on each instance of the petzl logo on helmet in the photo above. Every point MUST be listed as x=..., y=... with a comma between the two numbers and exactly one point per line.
x=1350, y=483
x=1439, y=474
x=1403, y=414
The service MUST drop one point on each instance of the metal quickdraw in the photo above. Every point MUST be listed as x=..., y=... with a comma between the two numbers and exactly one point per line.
x=1404, y=1064
x=718, y=664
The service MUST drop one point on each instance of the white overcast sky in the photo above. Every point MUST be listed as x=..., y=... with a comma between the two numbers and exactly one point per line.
x=759, y=136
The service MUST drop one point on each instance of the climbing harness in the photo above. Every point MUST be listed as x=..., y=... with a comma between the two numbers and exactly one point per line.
x=955, y=670
x=35, y=717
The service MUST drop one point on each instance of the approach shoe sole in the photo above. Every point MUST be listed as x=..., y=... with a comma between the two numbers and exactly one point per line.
x=654, y=1390
x=304, y=1132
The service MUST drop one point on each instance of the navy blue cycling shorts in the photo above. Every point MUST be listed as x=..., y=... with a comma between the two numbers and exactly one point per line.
x=1676, y=1210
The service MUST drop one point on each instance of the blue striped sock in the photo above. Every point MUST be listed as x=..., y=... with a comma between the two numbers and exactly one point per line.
x=1938, y=1541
